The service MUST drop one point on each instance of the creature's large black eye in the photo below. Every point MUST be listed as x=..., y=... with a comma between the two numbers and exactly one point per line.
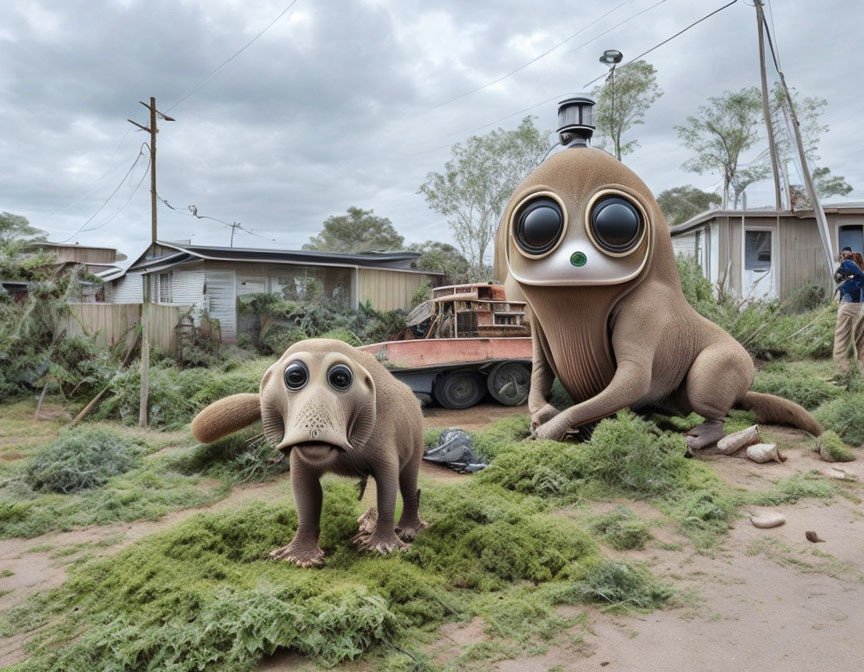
x=538, y=226
x=616, y=224
x=296, y=375
x=340, y=377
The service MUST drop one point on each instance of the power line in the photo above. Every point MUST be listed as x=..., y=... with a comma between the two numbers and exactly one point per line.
x=193, y=212
x=233, y=56
x=105, y=202
x=669, y=39
x=122, y=207
x=536, y=58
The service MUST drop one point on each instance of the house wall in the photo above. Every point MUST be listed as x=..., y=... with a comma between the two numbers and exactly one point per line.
x=127, y=289
x=801, y=257
x=389, y=290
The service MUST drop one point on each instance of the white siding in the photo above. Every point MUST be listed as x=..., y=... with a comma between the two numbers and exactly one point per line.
x=685, y=244
x=188, y=289
x=221, y=302
x=128, y=289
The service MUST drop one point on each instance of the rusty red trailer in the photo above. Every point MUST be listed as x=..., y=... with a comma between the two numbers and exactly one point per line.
x=458, y=372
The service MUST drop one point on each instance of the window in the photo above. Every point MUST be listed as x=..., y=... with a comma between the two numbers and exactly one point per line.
x=851, y=236
x=165, y=294
x=757, y=250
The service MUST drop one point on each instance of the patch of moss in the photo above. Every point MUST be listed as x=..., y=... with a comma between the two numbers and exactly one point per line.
x=831, y=448
x=498, y=436
x=622, y=529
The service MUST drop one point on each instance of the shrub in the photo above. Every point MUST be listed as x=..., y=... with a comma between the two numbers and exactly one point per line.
x=81, y=460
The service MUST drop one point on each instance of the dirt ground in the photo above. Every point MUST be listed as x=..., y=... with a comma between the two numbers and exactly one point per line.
x=763, y=600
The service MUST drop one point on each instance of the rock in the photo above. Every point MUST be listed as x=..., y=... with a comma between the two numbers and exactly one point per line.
x=764, y=452
x=839, y=474
x=732, y=443
x=768, y=520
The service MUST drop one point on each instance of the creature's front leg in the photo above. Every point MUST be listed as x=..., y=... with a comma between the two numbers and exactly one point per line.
x=383, y=539
x=542, y=378
x=304, y=550
x=630, y=384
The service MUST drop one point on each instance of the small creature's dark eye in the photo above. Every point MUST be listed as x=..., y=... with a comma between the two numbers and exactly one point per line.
x=616, y=224
x=538, y=225
x=296, y=375
x=340, y=377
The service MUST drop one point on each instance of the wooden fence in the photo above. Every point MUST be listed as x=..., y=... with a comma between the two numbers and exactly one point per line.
x=113, y=322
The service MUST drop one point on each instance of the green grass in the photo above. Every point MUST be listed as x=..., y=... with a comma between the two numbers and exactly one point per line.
x=831, y=448
x=804, y=382
x=621, y=529
x=845, y=415
x=794, y=488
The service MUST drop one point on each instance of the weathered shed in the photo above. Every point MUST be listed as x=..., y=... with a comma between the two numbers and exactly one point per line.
x=216, y=278
x=766, y=254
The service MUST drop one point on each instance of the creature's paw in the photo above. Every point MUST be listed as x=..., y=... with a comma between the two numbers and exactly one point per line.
x=543, y=416
x=408, y=530
x=554, y=430
x=704, y=435
x=302, y=553
x=381, y=542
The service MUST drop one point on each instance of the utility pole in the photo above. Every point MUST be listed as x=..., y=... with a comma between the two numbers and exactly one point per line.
x=147, y=298
x=765, y=108
x=234, y=227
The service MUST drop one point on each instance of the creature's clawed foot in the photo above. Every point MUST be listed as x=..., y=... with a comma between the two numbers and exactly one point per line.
x=381, y=542
x=303, y=553
x=407, y=530
x=704, y=435
x=554, y=430
x=543, y=416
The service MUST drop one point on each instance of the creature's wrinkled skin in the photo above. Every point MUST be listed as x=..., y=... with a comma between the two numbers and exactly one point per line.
x=615, y=327
x=334, y=409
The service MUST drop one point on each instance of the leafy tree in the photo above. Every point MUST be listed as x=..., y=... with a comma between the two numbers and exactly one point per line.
x=809, y=111
x=19, y=259
x=622, y=102
x=681, y=203
x=441, y=257
x=828, y=185
x=477, y=182
x=358, y=231
x=721, y=132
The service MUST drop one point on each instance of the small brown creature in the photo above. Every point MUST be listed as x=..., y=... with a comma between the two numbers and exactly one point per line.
x=585, y=243
x=334, y=409
x=813, y=537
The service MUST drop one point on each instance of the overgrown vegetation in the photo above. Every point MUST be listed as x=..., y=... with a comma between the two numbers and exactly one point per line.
x=81, y=460
x=767, y=329
x=845, y=415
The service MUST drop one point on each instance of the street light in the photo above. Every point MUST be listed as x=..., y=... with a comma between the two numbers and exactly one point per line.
x=612, y=57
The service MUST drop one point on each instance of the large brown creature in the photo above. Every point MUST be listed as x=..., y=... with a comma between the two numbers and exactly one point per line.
x=583, y=240
x=335, y=409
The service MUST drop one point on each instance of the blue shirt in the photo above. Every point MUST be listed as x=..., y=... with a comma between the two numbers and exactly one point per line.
x=851, y=290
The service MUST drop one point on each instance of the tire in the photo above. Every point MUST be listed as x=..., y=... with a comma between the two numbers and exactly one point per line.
x=509, y=383
x=459, y=389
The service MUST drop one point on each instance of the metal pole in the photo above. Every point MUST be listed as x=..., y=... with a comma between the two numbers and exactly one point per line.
x=765, y=109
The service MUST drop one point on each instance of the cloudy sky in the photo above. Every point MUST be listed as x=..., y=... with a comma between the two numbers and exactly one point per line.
x=350, y=102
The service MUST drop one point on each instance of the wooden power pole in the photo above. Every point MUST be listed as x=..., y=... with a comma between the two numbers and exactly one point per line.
x=147, y=298
x=778, y=203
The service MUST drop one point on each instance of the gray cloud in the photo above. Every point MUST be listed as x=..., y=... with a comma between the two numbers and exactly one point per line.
x=336, y=104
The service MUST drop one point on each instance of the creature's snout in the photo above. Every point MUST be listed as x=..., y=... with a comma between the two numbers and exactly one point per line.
x=316, y=423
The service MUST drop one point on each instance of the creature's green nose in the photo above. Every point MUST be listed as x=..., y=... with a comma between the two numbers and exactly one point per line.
x=578, y=259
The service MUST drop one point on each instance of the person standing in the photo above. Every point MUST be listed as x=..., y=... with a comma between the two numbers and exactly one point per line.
x=850, y=317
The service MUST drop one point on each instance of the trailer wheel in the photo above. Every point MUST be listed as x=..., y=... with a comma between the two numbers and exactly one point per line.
x=459, y=389
x=509, y=383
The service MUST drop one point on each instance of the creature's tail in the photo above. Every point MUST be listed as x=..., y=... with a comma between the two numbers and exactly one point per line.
x=779, y=411
x=226, y=416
